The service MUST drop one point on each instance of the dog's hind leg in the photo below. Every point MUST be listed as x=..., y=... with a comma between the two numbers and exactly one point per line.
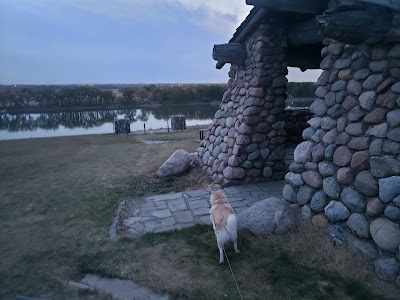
x=221, y=254
x=234, y=239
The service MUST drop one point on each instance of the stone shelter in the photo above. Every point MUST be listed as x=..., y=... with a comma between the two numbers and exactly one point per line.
x=346, y=168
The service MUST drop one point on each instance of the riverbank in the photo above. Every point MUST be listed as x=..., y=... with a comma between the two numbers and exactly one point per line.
x=58, y=197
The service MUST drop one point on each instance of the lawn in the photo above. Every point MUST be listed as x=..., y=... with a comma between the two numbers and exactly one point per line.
x=58, y=197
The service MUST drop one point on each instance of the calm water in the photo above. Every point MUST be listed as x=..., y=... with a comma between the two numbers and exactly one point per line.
x=34, y=125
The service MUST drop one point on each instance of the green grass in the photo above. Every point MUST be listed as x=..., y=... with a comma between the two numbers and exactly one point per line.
x=58, y=197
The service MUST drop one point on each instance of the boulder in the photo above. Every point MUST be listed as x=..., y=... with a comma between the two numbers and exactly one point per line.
x=386, y=234
x=266, y=217
x=176, y=164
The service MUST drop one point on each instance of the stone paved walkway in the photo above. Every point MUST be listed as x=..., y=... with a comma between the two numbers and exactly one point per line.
x=179, y=210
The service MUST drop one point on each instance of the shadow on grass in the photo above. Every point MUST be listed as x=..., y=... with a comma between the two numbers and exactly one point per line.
x=183, y=263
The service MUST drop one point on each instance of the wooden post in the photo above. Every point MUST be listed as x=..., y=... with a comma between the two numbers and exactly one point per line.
x=144, y=127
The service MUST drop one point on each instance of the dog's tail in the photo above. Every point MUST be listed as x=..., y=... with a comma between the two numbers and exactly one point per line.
x=231, y=226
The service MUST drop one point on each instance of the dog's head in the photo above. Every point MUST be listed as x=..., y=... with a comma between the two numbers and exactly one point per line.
x=217, y=197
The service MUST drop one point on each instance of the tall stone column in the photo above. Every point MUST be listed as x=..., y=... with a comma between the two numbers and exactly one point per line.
x=347, y=172
x=246, y=140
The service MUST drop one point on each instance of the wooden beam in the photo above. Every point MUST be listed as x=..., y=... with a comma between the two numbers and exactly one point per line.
x=369, y=25
x=219, y=65
x=392, y=4
x=298, y=6
x=234, y=53
x=304, y=33
x=308, y=57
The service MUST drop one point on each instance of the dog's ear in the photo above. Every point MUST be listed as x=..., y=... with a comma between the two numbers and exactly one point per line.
x=214, y=186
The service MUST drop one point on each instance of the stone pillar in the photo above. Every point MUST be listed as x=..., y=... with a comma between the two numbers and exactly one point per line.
x=347, y=171
x=246, y=140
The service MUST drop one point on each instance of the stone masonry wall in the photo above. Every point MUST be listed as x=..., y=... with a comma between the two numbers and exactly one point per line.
x=245, y=142
x=347, y=171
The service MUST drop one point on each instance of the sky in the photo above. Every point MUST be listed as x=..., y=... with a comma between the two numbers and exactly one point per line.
x=118, y=41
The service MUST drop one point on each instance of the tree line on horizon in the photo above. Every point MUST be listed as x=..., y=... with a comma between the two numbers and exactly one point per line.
x=12, y=97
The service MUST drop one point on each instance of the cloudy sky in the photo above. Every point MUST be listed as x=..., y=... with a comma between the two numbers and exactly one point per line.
x=117, y=41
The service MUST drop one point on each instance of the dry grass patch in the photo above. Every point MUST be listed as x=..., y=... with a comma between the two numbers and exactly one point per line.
x=185, y=265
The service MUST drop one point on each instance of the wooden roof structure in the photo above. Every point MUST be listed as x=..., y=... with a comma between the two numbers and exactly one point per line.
x=308, y=22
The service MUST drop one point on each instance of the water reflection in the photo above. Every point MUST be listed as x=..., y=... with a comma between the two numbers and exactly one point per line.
x=92, y=122
x=31, y=125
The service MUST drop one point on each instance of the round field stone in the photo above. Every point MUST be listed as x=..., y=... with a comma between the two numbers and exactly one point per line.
x=330, y=150
x=358, y=225
x=353, y=200
x=384, y=166
x=389, y=188
x=360, y=160
x=304, y=194
x=312, y=178
x=375, y=207
x=345, y=176
x=335, y=211
x=366, y=184
x=331, y=187
x=386, y=234
x=342, y=156
x=320, y=221
x=392, y=212
x=318, y=201
x=294, y=179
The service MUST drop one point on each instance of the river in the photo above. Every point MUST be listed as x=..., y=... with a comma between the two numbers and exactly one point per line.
x=68, y=123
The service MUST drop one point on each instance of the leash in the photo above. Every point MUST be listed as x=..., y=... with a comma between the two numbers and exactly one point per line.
x=229, y=264
x=233, y=275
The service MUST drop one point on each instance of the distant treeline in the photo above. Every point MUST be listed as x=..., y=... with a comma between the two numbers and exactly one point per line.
x=12, y=97
x=301, y=89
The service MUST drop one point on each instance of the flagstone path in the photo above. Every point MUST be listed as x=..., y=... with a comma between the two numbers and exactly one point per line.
x=174, y=211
